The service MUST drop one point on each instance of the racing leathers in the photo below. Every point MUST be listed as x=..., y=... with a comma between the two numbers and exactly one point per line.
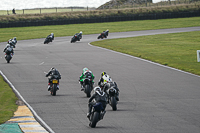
x=100, y=97
x=53, y=73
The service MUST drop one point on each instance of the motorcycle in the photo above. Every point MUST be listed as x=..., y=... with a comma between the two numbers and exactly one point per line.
x=96, y=114
x=88, y=85
x=53, y=85
x=8, y=57
x=76, y=37
x=111, y=95
x=48, y=40
x=104, y=34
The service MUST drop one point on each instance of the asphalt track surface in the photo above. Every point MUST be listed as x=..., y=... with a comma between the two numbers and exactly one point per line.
x=153, y=98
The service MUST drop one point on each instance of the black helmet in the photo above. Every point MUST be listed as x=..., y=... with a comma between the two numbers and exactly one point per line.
x=103, y=73
x=52, y=68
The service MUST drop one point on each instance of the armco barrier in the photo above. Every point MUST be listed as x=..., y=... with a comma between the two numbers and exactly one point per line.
x=101, y=19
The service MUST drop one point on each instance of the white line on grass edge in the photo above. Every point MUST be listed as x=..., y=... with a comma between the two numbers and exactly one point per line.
x=19, y=95
x=145, y=60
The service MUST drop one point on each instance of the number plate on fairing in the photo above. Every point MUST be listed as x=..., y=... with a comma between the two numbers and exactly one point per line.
x=55, y=81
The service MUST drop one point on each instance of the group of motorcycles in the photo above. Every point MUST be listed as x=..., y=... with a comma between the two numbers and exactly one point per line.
x=76, y=37
x=9, y=52
x=111, y=93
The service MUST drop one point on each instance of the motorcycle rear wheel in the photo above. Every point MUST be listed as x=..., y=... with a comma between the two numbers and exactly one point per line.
x=113, y=103
x=95, y=119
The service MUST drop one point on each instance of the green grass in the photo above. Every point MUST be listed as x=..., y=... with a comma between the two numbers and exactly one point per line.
x=176, y=50
x=7, y=101
x=23, y=33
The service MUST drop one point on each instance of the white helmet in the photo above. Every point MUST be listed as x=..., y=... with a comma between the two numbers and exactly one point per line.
x=81, y=32
x=97, y=89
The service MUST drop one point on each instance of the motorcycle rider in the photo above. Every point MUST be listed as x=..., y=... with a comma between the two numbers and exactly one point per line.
x=51, y=74
x=106, y=82
x=50, y=37
x=100, y=97
x=8, y=50
x=105, y=33
x=86, y=73
x=79, y=35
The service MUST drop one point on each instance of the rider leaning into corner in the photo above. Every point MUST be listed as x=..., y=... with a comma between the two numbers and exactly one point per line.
x=51, y=74
x=106, y=82
x=8, y=49
x=86, y=72
x=100, y=97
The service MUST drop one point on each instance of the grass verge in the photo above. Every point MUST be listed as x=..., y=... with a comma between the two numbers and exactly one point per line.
x=8, y=101
x=177, y=50
x=23, y=33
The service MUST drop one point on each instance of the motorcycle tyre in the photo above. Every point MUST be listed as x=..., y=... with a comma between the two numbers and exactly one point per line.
x=87, y=90
x=95, y=119
x=8, y=58
x=53, y=91
x=113, y=103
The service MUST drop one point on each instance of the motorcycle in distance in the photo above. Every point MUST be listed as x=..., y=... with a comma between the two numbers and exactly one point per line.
x=76, y=37
x=88, y=85
x=53, y=85
x=111, y=95
x=48, y=40
x=96, y=114
x=104, y=34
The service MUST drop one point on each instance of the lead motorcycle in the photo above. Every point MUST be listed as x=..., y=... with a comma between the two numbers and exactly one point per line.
x=96, y=115
x=111, y=95
x=53, y=85
x=104, y=34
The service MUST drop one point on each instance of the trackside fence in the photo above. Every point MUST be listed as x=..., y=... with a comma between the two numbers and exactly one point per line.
x=101, y=19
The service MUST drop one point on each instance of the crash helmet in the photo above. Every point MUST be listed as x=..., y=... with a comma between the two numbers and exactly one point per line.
x=14, y=38
x=106, y=79
x=52, y=68
x=52, y=34
x=85, y=69
x=97, y=89
x=8, y=45
x=103, y=73
x=81, y=32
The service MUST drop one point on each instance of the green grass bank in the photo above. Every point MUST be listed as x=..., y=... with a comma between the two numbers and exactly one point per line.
x=7, y=101
x=23, y=33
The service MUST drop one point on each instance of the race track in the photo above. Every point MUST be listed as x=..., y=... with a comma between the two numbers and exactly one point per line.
x=153, y=98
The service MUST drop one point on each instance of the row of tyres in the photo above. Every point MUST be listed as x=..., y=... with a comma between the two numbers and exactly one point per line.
x=76, y=37
x=111, y=93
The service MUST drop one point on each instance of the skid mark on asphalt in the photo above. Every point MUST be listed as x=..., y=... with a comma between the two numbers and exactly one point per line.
x=26, y=121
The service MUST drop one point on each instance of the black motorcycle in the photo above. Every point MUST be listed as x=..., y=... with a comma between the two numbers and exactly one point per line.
x=111, y=95
x=104, y=34
x=53, y=85
x=76, y=37
x=8, y=56
x=48, y=40
x=88, y=85
x=96, y=114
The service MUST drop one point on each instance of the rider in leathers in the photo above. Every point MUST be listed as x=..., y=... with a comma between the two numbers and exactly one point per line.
x=99, y=96
x=51, y=37
x=85, y=73
x=51, y=74
x=105, y=85
x=8, y=50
